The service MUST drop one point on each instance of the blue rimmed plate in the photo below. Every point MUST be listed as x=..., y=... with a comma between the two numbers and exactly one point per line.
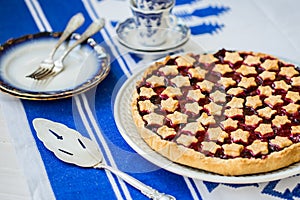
x=85, y=67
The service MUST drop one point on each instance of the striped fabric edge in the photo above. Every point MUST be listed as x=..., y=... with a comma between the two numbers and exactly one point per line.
x=125, y=60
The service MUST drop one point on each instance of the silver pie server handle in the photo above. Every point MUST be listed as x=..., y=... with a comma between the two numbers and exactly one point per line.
x=145, y=189
x=70, y=146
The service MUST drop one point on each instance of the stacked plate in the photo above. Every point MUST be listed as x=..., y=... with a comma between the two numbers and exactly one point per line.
x=86, y=66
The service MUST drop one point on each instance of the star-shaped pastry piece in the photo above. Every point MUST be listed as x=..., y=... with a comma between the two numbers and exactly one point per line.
x=218, y=96
x=181, y=81
x=253, y=101
x=266, y=112
x=177, y=117
x=252, y=120
x=291, y=108
x=235, y=91
x=206, y=119
x=258, y=147
x=296, y=81
x=278, y=121
x=273, y=100
x=169, y=70
x=147, y=92
x=216, y=134
x=185, y=61
x=240, y=135
x=211, y=147
x=295, y=130
x=172, y=92
x=230, y=123
x=233, y=149
x=265, y=90
x=264, y=129
x=281, y=142
x=293, y=96
x=169, y=105
x=232, y=57
x=193, y=107
x=186, y=140
x=247, y=82
x=213, y=108
x=165, y=131
x=147, y=106
x=270, y=65
x=205, y=85
x=193, y=127
x=281, y=85
x=235, y=102
x=252, y=60
x=267, y=75
x=222, y=68
x=154, y=118
x=226, y=82
x=207, y=58
x=195, y=95
x=156, y=81
x=233, y=112
x=246, y=70
x=288, y=71
x=197, y=73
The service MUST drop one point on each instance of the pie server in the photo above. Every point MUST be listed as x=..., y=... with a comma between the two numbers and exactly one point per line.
x=71, y=147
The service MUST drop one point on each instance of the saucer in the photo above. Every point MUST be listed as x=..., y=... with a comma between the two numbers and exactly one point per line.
x=190, y=46
x=127, y=36
x=85, y=67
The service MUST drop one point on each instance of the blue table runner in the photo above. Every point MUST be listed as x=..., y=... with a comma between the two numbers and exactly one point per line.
x=91, y=113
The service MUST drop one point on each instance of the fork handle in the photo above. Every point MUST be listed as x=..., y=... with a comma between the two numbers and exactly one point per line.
x=74, y=23
x=91, y=30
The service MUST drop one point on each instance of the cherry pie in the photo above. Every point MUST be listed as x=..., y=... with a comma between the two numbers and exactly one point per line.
x=231, y=112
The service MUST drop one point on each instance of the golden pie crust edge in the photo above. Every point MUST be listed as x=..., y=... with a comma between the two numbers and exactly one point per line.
x=189, y=157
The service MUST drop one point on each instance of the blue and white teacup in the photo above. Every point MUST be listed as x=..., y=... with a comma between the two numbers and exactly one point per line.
x=152, y=25
x=153, y=4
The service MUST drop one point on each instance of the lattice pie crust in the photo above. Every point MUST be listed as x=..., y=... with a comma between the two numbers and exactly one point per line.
x=231, y=112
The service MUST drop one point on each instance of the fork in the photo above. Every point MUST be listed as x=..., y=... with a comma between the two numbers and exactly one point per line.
x=58, y=64
x=75, y=22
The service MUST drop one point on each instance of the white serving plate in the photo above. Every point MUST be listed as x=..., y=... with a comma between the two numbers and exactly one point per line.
x=127, y=128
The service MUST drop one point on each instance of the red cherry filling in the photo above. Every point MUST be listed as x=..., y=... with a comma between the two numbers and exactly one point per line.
x=219, y=112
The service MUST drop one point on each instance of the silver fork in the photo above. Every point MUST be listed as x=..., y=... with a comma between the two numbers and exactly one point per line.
x=58, y=64
x=74, y=23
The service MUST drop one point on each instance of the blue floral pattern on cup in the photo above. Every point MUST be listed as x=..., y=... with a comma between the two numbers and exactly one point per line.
x=152, y=26
x=153, y=4
x=149, y=22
